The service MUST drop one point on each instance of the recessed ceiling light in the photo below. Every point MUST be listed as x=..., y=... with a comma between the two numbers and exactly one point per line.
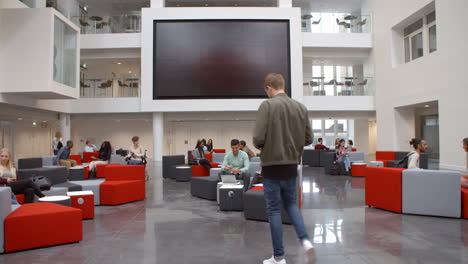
x=20, y=118
x=426, y=106
x=119, y=63
x=129, y=71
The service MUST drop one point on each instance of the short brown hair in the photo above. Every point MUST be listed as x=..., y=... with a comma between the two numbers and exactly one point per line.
x=135, y=138
x=274, y=80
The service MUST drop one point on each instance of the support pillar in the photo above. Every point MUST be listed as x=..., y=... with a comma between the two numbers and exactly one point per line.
x=158, y=136
x=65, y=126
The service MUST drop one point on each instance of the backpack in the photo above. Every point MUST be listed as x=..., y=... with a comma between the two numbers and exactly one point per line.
x=404, y=162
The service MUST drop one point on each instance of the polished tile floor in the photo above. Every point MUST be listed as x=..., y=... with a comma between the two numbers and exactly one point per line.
x=173, y=227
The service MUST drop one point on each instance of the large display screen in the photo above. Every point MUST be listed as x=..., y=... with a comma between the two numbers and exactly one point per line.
x=218, y=59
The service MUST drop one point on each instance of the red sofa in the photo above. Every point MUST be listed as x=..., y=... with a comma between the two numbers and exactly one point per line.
x=464, y=202
x=41, y=225
x=385, y=156
x=219, y=150
x=124, y=184
x=384, y=188
x=87, y=156
x=76, y=158
x=200, y=171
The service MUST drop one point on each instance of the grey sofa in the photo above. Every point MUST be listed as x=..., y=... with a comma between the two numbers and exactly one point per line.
x=169, y=163
x=311, y=158
x=399, y=155
x=218, y=157
x=431, y=192
x=356, y=156
x=48, y=161
x=29, y=163
x=323, y=160
x=58, y=176
x=204, y=187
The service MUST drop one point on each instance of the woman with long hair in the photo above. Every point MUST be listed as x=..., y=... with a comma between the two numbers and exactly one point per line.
x=199, y=155
x=209, y=145
x=57, y=143
x=342, y=155
x=104, y=156
x=8, y=178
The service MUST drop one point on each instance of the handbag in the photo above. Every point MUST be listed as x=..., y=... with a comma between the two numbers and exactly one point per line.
x=41, y=182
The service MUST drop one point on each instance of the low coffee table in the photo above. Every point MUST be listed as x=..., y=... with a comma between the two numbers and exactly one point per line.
x=83, y=200
x=231, y=197
x=76, y=173
x=183, y=173
x=63, y=200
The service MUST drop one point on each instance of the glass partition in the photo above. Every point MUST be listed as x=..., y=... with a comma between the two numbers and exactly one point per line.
x=110, y=87
x=336, y=23
x=29, y=3
x=344, y=86
x=126, y=23
x=65, y=53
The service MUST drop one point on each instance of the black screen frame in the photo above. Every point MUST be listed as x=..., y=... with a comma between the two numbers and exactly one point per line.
x=288, y=87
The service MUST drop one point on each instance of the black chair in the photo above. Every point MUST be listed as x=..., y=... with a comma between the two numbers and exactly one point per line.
x=316, y=22
x=121, y=84
x=362, y=22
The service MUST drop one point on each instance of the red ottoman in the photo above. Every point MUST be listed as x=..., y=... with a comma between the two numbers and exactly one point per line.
x=385, y=156
x=200, y=171
x=383, y=188
x=41, y=225
x=87, y=156
x=124, y=184
x=76, y=158
x=83, y=200
x=358, y=169
x=464, y=202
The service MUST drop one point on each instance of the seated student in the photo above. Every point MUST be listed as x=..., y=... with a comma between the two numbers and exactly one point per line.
x=419, y=146
x=464, y=178
x=209, y=146
x=320, y=146
x=8, y=178
x=104, y=156
x=236, y=162
x=350, y=146
x=342, y=155
x=199, y=155
x=90, y=147
x=243, y=147
x=136, y=152
x=63, y=156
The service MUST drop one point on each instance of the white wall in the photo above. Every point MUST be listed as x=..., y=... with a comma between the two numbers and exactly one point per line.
x=337, y=40
x=149, y=15
x=111, y=41
x=433, y=77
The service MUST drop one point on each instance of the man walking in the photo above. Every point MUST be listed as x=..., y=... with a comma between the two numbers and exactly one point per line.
x=282, y=130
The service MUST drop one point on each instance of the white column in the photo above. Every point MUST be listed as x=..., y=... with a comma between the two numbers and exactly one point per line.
x=157, y=3
x=158, y=136
x=284, y=3
x=65, y=126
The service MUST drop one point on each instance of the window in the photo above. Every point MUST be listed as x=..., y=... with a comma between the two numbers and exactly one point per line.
x=418, y=34
x=329, y=130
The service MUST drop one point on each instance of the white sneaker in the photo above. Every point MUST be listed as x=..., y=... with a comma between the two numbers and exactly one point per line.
x=310, y=251
x=273, y=261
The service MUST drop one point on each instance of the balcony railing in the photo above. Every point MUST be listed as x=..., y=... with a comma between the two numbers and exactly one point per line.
x=127, y=23
x=347, y=86
x=336, y=23
x=108, y=88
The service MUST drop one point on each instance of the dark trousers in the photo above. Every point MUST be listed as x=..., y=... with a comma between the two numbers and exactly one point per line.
x=205, y=163
x=27, y=188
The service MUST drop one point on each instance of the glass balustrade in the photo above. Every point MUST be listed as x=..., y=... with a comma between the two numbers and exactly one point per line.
x=108, y=88
x=127, y=23
x=336, y=23
x=346, y=86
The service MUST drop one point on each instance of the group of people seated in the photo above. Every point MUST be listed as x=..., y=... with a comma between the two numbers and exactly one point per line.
x=321, y=146
x=135, y=156
x=341, y=151
x=235, y=162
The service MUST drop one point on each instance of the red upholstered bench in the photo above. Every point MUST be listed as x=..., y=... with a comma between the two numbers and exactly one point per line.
x=76, y=158
x=385, y=156
x=384, y=188
x=464, y=202
x=20, y=198
x=124, y=184
x=219, y=150
x=87, y=156
x=358, y=169
x=41, y=225
x=200, y=171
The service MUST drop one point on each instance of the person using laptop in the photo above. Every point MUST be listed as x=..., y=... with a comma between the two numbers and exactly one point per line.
x=236, y=162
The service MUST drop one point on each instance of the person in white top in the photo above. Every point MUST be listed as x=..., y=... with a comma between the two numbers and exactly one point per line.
x=55, y=142
x=419, y=145
x=90, y=147
x=136, y=152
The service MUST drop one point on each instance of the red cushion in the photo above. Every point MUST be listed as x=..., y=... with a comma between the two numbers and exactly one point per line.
x=42, y=224
x=87, y=156
x=358, y=170
x=76, y=158
x=86, y=206
x=117, y=172
x=101, y=170
x=383, y=188
x=200, y=171
x=20, y=198
x=353, y=149
x=385, y=155
x=219, y=150
x=120, y=192
x=209, y=157
x=257, y=188
x=464, y=202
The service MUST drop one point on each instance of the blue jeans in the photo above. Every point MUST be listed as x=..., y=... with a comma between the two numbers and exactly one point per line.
x=13, y=199
x=346, y=161
x=286, y=191
x=135, y=162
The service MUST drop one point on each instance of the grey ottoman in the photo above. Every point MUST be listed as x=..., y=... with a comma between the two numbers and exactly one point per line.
x=215, y=171
x=183, y=173
x=204, y=187
x=63, y=200
x=376, y=164
x=76, y=173
x=91, y=185
x=255, y=207
x=231, y=197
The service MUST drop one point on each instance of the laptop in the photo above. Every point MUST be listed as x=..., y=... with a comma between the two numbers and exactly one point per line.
x=229, y=179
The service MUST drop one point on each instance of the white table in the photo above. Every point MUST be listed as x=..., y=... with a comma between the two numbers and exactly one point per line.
x=59, y=199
